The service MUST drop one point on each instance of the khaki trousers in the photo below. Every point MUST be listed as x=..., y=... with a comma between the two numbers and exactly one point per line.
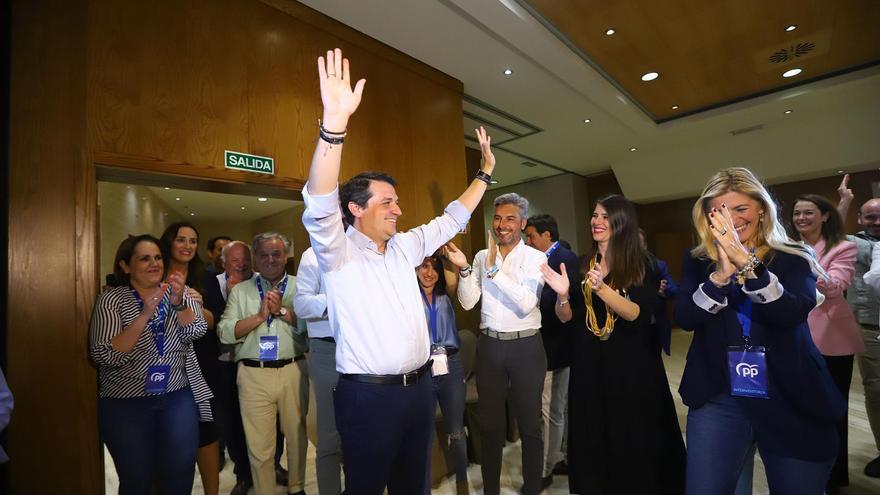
x=264, y=393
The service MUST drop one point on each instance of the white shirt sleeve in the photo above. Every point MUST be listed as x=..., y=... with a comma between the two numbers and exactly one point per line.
x=872, y=276
x=470, y=287
x=309, y=301
x=322, y=218
x=526, y=294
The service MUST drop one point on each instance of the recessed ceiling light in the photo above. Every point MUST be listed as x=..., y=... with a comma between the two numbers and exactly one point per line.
x=791, y=72
x=609, y=32
x=791, y=28
x=587, y=121
x=840, y=171
x=675, y=107
x=263, y=200
x=167, y=188
x=633, y=148
x=787, y=112
x=176, y=199
x=508, y=72
x=650, y=76
x=242, y=207
x=192, y=214
x=493, y=181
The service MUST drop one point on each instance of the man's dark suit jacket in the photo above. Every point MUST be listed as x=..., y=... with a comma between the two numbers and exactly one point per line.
x=557, y=335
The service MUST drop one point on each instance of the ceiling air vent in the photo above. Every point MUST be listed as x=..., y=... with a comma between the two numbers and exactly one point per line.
x=529, y=164
x=744, y=130
x=792, y=52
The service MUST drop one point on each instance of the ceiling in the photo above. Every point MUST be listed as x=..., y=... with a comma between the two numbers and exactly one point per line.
x=537, y=113
x=708, y=54
x=213, y=206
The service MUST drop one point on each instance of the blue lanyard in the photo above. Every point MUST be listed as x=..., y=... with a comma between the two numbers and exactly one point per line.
x=432, y=313
x=744, y=315
x=282, y=287
x=157, y=322
x=552, y=248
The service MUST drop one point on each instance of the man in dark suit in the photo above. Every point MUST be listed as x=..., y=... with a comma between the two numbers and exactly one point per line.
x=542, y=234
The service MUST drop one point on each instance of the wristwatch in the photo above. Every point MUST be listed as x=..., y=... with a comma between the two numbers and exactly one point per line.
x=283, y=312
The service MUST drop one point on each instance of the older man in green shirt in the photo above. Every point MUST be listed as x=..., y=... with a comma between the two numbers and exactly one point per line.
x=272, y=376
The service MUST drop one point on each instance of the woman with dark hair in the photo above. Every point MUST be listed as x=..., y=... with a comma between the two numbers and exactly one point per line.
x=447, y=371
x=753, y=378
x=180, y=243
x=835, y=331
x=140, y=338
x=623, y=433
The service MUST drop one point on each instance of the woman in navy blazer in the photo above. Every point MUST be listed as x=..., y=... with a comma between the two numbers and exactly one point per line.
x=747, y=274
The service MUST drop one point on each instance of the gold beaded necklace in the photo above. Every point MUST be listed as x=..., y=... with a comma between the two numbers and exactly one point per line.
x=604, y=333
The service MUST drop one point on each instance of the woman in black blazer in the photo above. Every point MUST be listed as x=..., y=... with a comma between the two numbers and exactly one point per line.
x=753, y=377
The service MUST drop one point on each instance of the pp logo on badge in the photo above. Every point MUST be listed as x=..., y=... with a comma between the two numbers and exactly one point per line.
x=157, y=376
x=747, y=370
x=267, y=346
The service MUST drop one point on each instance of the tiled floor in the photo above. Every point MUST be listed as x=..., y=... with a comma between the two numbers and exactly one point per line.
x=861, y=448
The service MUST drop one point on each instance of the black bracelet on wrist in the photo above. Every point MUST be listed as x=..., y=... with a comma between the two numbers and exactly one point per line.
x=328, y=131
x=483, y=176
x=331, y=139
x=179, y=307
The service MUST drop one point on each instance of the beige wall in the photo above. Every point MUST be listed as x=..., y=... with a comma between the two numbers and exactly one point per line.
x=125, y=210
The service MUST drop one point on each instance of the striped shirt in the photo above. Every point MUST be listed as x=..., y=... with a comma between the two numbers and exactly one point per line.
x=124, y=374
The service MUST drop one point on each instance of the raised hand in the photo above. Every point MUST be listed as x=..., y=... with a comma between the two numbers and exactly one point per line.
x=152, y=300
x=721, y=226
x=195, y=295
x=485, y=146
x=843, y=190
x=455, y=255
x=339, y=100
x=273, y=301
x=557, y=281
x=493, y=250
x=176, y=281
x=596, y=278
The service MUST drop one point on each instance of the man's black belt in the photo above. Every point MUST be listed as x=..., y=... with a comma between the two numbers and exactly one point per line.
x=278, y=363
x=405, y=379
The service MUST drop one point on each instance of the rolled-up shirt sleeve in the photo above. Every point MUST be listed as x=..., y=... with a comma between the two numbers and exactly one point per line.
x=323, y=221
x=422, y=241
x=470, y=287
x=106, y=324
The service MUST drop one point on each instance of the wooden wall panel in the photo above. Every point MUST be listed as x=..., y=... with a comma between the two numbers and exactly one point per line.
x=164, y=88
x=50, y=246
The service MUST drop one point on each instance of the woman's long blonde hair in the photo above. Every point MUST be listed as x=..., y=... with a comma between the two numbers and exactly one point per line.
x=771, y=235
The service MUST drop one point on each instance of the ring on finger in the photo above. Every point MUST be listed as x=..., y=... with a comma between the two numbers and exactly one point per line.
x=723, y=231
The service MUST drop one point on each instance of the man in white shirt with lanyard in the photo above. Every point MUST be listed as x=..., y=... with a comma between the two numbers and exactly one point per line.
x=508, y=277
x=383, y=400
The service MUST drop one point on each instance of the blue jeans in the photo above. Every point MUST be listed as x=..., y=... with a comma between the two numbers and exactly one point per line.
x=449, y=391
x=720, y=453
x=153, y=440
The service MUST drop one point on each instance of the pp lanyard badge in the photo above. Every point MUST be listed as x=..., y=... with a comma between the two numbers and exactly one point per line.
x=440, y=365
x=747, y=364
x=268, y=347
x=156, y=381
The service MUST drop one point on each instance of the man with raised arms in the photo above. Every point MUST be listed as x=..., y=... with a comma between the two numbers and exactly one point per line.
x=383, y=401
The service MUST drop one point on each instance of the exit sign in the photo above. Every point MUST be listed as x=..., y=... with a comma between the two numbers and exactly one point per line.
x=250, y=163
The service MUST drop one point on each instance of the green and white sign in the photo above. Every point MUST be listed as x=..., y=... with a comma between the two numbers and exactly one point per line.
x=250, y=163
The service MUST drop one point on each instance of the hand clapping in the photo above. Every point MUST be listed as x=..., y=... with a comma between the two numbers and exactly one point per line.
x=557, y=281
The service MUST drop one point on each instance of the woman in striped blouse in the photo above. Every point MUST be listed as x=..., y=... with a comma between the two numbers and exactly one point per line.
x=139, y=339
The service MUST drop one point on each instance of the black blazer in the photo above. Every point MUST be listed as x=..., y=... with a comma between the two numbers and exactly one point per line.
x=798, y=418
x=557, y=335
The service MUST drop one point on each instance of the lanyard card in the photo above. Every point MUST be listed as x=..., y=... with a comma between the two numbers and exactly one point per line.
x=748, y=371
x=157, y=379
x=440, y=366
x=268, y=347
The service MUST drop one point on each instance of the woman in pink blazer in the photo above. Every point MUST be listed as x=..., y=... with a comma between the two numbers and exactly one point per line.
x=832, y=325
